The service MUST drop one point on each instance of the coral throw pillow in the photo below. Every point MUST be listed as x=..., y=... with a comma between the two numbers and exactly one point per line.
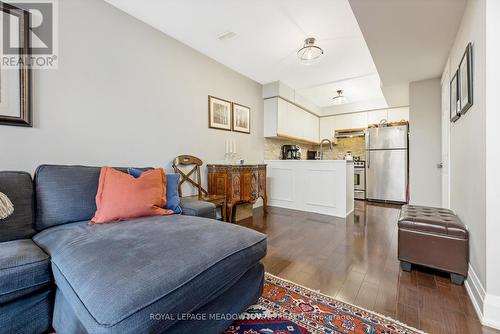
x=120, y=196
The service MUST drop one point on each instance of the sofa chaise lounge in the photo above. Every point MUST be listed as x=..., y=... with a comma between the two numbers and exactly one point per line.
x=179, y=273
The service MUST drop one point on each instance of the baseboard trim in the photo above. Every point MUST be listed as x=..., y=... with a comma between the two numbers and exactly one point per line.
x=476, y=292
x=487, y=306
x=491, y=317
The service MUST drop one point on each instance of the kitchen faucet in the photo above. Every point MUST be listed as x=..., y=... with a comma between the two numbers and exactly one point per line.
x=321, y=147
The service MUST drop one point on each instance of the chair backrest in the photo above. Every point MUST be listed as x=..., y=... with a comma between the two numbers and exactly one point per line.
x=195, y=163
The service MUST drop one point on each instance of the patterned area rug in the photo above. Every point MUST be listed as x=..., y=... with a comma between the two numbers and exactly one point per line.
x=288, y=308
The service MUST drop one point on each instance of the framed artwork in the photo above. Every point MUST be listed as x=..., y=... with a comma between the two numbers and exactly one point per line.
x=454, y=98
x=219, y=114
x=241, y=118
x=15, y=82
x=465, y=76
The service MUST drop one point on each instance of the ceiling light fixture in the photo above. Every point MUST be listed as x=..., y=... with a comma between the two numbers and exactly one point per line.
x=226, y=35
x=310, y=52
x=340, y=98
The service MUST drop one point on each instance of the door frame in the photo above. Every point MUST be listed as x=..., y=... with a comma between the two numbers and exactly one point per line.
x=445, y=137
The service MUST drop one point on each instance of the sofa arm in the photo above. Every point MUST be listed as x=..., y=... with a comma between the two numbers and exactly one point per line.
x=194, y=207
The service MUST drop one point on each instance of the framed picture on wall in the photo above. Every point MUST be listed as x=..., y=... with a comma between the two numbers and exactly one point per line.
x=219, y=114
x=454, y=99
x=465, y=92
x=241, y=118
x=15, y=77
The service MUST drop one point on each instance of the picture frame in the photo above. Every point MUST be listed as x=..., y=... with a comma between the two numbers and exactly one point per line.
x=465, y=84
x=219, y=113
x=15, y=83
x=241, y=118
x=454, y=98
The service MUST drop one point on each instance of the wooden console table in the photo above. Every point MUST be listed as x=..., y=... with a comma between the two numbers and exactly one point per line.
x=239, y=183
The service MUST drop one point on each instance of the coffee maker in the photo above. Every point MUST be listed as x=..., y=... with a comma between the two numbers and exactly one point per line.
x=290, y=152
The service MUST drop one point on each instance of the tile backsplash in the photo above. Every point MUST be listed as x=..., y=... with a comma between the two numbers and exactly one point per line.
x=272, y=148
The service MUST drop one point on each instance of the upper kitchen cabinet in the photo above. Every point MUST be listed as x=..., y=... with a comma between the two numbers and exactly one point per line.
x=377, y=116
x=350, y=121
x=287, y=120
x=398, y=114
x=330, y=124
x=390, y=115
x=357, y=120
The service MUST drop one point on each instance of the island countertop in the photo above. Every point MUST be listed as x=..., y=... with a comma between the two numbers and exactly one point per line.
x=320, y=186
x=337, y=161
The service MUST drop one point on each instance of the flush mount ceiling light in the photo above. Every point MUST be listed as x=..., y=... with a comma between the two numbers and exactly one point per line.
x=340, y=98
x=226, y=35
x=310, y=52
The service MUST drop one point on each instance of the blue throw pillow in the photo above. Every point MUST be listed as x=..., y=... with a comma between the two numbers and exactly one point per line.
x=173, y=199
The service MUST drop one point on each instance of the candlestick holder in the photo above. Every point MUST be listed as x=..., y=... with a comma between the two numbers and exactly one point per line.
x=230, y=158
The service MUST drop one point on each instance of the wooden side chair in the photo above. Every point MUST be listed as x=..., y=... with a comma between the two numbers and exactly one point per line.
x=203, y=195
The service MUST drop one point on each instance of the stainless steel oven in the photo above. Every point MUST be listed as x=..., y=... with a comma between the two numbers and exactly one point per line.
x=359, y=180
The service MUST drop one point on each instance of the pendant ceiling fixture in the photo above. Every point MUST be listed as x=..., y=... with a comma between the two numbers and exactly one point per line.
x=340, y=98
x=310, y=52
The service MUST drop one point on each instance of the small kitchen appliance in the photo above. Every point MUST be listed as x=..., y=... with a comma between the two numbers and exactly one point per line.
x=312, y=155
x=290, y=152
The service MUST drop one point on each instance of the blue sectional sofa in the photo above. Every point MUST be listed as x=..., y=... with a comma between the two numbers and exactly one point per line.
x=175, y=274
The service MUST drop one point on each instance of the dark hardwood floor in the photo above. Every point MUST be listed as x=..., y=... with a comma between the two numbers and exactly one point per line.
x=355, y=260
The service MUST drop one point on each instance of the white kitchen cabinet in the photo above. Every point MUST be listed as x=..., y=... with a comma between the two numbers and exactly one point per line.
x=327, y=127
x=311, y=127
x=325, y=187
x=398, y=114
x=376, y=116
x=285, y=119
x=351, y=121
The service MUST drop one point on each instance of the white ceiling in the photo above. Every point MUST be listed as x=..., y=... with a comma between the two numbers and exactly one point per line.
x=409, y=40
x=356, y=89
x=268, y=35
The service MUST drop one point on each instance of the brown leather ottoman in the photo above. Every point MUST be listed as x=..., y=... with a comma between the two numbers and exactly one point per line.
x=434, y=238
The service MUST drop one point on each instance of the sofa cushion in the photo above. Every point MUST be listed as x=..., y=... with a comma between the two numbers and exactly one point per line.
x=65, y=194
x=170, y=264
x=194, y=207
x=24, y=268
x=18, y=187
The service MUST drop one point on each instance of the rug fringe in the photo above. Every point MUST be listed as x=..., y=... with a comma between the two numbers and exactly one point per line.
x=358, y=307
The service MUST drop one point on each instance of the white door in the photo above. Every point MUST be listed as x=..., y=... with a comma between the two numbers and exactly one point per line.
x=445, y=138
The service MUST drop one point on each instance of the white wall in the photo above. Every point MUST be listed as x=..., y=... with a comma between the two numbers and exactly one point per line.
x=475, y=183
x=468, y=140
x=126, y=94
x=492, y=310
x=425, y=142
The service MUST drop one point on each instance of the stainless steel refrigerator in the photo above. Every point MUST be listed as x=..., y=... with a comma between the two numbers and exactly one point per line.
x=387, y=163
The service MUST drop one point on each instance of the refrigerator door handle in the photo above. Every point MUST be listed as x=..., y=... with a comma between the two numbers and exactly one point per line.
x=368, y=150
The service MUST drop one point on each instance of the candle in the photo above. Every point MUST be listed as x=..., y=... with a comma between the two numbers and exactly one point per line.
x=227, y=146
x=234, y=147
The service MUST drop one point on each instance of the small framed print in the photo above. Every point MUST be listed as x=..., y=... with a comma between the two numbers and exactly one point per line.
x=454, y=98
x=219, y=114
x=465, y=93
x=15, y=80
x=241, y=118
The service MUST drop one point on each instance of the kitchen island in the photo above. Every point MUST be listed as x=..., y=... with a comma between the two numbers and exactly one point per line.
x=320, y=186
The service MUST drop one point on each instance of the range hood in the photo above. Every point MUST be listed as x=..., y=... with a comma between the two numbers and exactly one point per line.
x=349, y=133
